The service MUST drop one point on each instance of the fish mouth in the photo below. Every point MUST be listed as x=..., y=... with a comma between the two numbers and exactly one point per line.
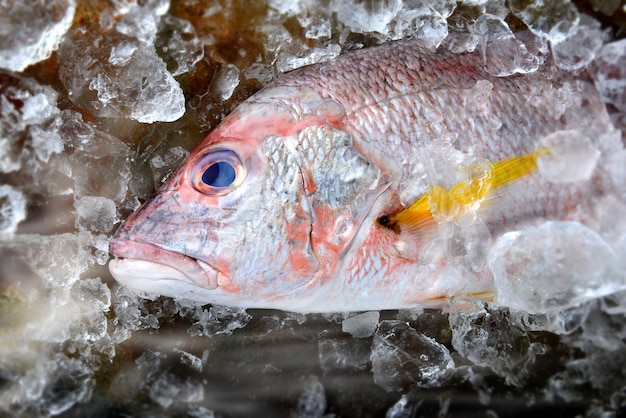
x=141, y=261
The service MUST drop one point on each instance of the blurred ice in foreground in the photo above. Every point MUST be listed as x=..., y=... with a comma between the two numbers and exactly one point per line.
x=31, y=30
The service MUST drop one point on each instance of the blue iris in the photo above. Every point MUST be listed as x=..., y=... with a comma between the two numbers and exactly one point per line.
x=219, y=174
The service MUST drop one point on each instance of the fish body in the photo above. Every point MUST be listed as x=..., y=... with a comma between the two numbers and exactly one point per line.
x=298, y=200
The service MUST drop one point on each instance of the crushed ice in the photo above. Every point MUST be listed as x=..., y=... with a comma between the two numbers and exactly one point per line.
x=23, y=44
x=65, y=329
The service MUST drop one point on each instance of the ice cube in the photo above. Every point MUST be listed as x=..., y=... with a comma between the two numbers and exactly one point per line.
x=343, y=355
x=316, y=27
x=131, y=312
x=613, y=161
x=262, y=72
x=615, y=303
x=363, y=17
x=401, y=356
x=506, y=53
x=541, y=16
x=43, y=116
x=103, y=162
x=23, y=44
x=307, y=57
x=494, y=338
x=114, y=75
x=58, y=260
x=275, y=38
x=100, y=245
x=95, y=213
x=67, y=382
x=46, y=141
x=609, y=72
x=167, y=388
x=189, y=360
x=122, y=53
x=608, y=7
x=39, y=107
x=200, y=412
x=80, y=321
x=178, y=45
x=553, y=266
x=425, y=21
x=401, y=409
x=312, y=400
x=361, y=325
x=225, y=81
x=151, y=377
x=217, y=320
x=12, y=210
x=166, y=161
x=578, y=47
x=570, y=156
x=140, y=23
x=93, y=295
x=287, y=7
x=28, y=113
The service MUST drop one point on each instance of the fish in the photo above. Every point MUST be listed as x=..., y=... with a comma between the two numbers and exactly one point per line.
x=377, y=180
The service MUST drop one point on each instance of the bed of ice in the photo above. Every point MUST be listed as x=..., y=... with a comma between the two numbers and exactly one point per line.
x=101, y=100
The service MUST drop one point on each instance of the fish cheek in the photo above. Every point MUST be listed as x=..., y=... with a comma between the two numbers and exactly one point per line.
x=268, y=231
x=341, y=186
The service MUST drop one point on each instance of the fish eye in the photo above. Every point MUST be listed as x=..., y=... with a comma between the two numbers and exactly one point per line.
x=217, y=173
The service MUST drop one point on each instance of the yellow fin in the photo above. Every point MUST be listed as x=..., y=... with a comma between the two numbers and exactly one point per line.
x=514, y=168
x=439, y=205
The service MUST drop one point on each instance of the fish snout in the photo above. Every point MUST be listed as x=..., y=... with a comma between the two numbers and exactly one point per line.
x=147, y=261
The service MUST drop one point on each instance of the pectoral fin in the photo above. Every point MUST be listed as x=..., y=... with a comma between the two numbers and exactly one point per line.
x=441, y=205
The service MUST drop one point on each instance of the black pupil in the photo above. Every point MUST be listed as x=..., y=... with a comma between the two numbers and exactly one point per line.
x=219, y=174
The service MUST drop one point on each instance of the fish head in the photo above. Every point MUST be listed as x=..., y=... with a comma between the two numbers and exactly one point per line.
x=259, y=214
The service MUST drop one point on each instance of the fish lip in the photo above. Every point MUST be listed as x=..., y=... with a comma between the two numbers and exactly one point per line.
x=198, y=272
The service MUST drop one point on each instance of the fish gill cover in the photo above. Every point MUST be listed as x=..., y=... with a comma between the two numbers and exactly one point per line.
x=101, y=101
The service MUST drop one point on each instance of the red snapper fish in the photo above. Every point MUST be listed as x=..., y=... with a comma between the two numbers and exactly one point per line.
x=376, y=181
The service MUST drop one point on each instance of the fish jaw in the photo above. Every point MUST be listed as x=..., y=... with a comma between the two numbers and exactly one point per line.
x=165, y=263
x=148, y=267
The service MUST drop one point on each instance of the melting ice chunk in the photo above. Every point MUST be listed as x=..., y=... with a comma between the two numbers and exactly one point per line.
x=361, y=325
x=495, y=338
x=178, y=44
x=425, y=21
x=12, y=209
x=96, y=213
x=401, y=355
x=541, y=16
x=315, y=27
x=338, y=354
x=312, y=401
x=24, y=44
x=608, y=7
x=505, y=52
x=570, y=157
x=189, y=360
x=27, y=111
x=58, y=260
x=66, y=382
x=362, y=17
x=609, y=73
x=577, y=47
x=103, y=162
x=215, y=321
x=225, y=82
x=308, y=57
x=113, y=75
x=553, y=266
